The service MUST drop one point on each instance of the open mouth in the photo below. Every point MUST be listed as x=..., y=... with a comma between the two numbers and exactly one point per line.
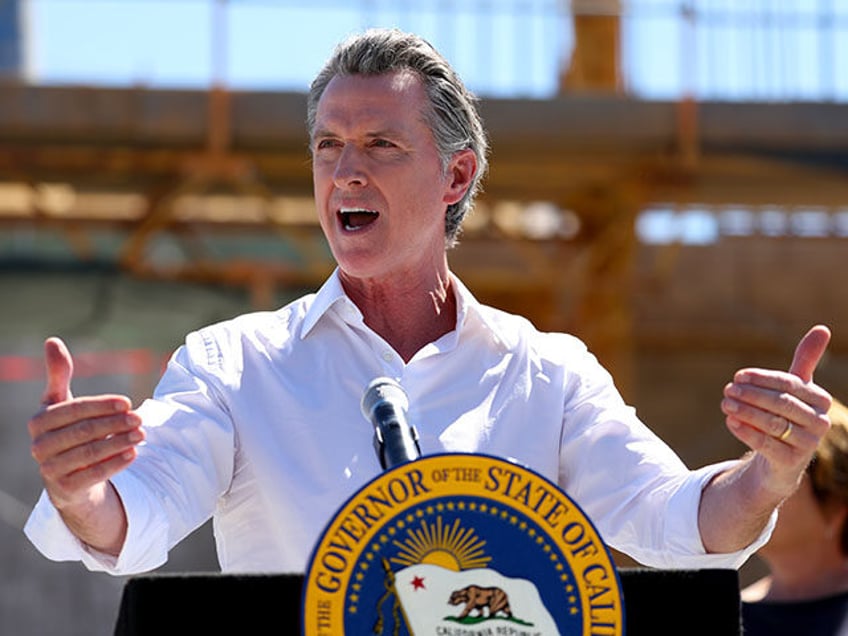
x=354, y=219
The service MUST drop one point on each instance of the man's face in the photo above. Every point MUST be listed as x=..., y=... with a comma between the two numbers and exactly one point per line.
x=380, y=189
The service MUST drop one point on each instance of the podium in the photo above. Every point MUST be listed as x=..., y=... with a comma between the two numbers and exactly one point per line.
x=657, y=603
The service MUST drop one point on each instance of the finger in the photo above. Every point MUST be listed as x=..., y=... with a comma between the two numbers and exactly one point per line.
x=809, y=352
x=802, y=404
x=84, y=432
x=67, y=487
x=792, y=449
x=60, y=415
x=87, y=455
x=60, y=369
x=770, y=389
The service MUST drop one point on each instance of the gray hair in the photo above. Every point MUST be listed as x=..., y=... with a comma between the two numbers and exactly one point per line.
x=452, y=113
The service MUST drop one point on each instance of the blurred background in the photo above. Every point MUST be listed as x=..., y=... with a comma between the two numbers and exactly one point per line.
x=669, y=182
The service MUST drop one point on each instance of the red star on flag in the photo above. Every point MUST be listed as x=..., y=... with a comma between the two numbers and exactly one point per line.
x=418, y=583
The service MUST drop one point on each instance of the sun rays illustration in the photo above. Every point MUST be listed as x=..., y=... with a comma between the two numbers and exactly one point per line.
x=451, y=547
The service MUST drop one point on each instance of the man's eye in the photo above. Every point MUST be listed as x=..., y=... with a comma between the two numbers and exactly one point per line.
x=323, y=144
x=382, y=143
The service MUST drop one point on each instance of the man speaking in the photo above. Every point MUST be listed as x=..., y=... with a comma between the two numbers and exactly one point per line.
x=256, y=422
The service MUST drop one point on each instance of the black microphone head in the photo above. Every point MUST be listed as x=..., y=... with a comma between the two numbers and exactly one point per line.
x=385, y=404
x=383, y=390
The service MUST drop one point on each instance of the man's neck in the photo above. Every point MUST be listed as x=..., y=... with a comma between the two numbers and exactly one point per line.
x=407, y=313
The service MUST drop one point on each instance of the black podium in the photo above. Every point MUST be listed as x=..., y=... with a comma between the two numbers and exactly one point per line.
x=657, y=603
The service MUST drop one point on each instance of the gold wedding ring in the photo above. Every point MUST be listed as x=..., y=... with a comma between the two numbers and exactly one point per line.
x=786, y=433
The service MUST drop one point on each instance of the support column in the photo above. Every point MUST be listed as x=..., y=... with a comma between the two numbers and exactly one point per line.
x=604, y=314
x=595, y=61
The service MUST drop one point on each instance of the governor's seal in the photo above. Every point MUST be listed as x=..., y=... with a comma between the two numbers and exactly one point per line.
x=461, y=545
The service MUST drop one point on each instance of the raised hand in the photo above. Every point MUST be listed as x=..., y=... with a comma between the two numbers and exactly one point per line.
x=79, y=443
x=781, y=415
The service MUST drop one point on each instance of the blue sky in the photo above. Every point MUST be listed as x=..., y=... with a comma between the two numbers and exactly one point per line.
x=794, y=49
x=280, y=45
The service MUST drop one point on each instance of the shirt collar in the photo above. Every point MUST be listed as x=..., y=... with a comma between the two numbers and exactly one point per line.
x=468, y=307
x=332, y=292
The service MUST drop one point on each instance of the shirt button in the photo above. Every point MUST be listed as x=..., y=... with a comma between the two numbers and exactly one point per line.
x=387, y=356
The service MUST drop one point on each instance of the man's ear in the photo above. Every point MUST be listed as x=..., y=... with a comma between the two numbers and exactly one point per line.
x=460, y=174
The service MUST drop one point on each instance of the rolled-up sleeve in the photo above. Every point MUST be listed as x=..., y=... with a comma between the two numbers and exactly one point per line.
x=144, y=549
x=641, y=496
x=682, y=532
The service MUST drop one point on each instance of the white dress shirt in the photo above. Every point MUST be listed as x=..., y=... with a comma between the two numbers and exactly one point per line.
x=256, y=423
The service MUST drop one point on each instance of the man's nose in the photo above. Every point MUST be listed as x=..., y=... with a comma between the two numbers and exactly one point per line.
x=350, y=168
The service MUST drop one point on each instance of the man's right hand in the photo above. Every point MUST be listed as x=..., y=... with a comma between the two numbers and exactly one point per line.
x=79, y=444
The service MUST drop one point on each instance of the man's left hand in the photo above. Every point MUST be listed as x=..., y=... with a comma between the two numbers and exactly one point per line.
x=780, y=415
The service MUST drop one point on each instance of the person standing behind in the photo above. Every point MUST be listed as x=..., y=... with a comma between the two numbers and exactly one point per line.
x=806, y=590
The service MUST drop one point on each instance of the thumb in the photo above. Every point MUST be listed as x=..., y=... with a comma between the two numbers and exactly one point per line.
x=60, y=368
x=809, y=352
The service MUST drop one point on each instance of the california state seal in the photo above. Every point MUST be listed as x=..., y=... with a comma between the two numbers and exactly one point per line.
x=461, y=545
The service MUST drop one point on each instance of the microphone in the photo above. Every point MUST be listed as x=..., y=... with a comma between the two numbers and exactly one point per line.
x=384, y=405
